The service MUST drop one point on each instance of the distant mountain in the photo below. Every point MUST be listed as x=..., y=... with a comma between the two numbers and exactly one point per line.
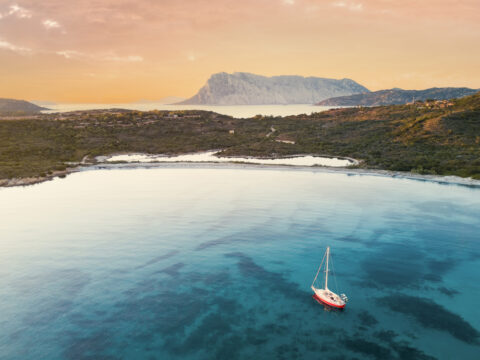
x=12, y=105
x=164, y=101
x=250, y=89
x=397, y=96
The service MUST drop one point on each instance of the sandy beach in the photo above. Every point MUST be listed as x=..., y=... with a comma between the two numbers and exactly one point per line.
x=116, y=164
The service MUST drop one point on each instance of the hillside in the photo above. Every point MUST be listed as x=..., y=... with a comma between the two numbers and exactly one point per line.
x=249, y=89
x=8, y=106
x=397, y=97
x=433, y=139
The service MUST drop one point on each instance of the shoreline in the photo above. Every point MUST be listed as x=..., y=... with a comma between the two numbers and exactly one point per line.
x=439, y=179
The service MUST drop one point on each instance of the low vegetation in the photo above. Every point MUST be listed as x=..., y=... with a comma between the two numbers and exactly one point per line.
x=417, y=138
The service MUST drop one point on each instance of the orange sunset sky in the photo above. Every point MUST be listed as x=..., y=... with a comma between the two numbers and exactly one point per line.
x=125, y=50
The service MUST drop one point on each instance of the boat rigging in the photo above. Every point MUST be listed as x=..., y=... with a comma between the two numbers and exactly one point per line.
x=325, y=295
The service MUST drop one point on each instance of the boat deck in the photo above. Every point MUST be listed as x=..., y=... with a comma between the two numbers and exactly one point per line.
x=328, y=297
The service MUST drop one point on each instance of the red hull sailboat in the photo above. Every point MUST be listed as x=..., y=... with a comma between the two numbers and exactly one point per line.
x=325, y=295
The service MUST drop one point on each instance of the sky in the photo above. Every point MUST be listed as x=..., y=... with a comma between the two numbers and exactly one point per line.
x=106, y=51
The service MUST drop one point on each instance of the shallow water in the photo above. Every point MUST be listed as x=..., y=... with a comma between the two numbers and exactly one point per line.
x=237, y=111
x=215, y=263
x=210, y=157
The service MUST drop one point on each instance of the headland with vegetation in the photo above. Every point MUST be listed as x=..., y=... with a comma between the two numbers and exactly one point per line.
x=430, y=137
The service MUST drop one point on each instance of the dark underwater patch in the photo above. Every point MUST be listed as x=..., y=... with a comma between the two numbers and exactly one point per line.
x=432, y=277
x=448, y=292
x=219, y=279
x=168, y=313
x=229, y=348
x=172, y=270
x=361, y=346
x=256, y=233
x=90, y=347
x=192, y=320
x=158, y=259
x=215, y=330
x=287, y=351
x=385, y=335
x=350, y=239
x=405, y=351
x=256, y=337
x=432, y=315
x=367, y=319
x=441, y=266
x=274, y=281
x=56, y=292
x=206, y=336
x=438, y=268
x=394, y=266
x=274, y=328
x=218, y=241
x=402, y=348
x=391, y=350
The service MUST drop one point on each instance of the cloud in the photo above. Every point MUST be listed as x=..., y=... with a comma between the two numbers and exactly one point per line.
x=130, y=58
x=18, y=11
x=70, y=54
x=51, y=24
x=15, y=48
x=73, y=54
x=352, y=6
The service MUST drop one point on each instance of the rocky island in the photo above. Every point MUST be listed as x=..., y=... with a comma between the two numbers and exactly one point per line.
x=249, y=89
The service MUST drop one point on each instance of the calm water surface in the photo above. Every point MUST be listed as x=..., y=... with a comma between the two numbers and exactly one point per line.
x=237, y=111
x=217, y=263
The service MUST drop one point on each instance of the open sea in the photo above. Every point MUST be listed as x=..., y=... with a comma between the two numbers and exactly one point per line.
x=217, y=263
x=237, y=111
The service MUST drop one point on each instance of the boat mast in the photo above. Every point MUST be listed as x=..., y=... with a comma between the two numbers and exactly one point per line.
x=326, y=268
x=318, y=272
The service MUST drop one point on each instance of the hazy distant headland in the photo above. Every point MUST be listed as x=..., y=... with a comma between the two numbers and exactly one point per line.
x=397, y=96
x=13, y=107
x=242, y=88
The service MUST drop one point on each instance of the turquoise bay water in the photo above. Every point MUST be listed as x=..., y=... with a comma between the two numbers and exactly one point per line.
x=199, y=263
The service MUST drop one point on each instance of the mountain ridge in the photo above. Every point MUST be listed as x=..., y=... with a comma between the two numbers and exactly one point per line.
x=241, y=88
x=397, y=96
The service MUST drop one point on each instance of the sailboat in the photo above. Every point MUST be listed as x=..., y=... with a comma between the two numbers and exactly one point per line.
x=325, y=295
